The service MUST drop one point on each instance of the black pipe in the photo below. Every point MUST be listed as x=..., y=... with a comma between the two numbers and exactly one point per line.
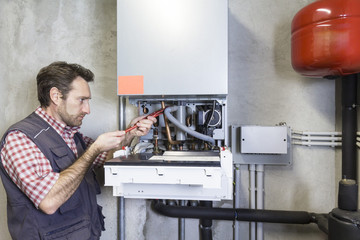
x=322, y=221
x=206, y=223
x=348, y=188
x=249, y=215
x=349, y=126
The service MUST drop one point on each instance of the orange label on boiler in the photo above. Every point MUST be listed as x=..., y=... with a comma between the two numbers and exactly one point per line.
x=130, y=85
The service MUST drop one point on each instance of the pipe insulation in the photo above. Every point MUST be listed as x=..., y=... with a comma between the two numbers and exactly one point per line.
x=184, y=128
x=239, y=214
x=349, y=126
x=348, y=188
x=206, y=224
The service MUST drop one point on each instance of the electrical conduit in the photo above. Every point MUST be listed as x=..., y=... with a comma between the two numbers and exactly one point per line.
x=252, y=169
x=260, y=198
x=237, y=200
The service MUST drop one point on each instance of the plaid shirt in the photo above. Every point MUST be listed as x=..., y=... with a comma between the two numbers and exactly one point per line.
x=28, y=167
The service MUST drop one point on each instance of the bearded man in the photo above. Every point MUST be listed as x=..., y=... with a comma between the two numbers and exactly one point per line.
x=47, y=165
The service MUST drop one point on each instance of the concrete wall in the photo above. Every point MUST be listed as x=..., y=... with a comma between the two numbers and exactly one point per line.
x=264, y=90
x=34, y=34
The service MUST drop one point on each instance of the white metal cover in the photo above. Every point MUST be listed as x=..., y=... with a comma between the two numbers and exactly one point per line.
x=263, y=139
x=179, y=47
x=169, y=182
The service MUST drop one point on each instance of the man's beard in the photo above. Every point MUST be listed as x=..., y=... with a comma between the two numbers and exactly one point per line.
x=68, y=119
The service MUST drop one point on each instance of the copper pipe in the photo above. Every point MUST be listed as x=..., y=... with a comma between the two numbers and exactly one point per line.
x=156, y=143
x=168, y=134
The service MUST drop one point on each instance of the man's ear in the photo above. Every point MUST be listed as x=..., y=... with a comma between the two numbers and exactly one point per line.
x=55, y=95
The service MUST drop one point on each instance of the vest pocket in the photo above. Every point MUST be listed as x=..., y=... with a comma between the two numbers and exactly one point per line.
x=102, y=217
x=98, y=224
x=62, y=158
x=78, y=229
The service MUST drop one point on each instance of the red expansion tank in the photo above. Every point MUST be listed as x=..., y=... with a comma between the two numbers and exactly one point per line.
x=325, y=38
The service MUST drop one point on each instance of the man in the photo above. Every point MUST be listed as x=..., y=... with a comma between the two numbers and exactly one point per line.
x=46, y=165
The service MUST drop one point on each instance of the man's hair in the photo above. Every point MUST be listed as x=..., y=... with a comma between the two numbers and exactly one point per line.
x=59, y=75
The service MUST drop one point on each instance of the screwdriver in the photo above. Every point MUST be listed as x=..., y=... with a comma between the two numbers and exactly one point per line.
x=154, y=114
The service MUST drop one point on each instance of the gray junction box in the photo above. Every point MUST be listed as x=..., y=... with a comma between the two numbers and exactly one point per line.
x=261, y=145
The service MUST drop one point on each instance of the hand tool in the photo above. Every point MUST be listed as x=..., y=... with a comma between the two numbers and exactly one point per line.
x=154, y=114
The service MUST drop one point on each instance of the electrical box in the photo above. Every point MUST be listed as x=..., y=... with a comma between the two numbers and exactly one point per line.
x=263, y=139
x=270, y=145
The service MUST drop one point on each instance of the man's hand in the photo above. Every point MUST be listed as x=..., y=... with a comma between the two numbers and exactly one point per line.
x=143, y=125
x=109, y=140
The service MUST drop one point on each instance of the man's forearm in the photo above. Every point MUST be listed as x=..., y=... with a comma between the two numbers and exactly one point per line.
x=68, y=181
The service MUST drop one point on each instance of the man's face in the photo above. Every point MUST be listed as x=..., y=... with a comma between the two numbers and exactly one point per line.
x=73, y=109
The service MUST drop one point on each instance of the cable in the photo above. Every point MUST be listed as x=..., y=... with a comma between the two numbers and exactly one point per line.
x=185, y=128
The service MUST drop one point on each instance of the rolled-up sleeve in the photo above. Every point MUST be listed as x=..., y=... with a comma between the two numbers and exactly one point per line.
x=27, y=166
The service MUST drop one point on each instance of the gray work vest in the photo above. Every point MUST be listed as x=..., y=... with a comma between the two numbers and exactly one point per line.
x=79, y=218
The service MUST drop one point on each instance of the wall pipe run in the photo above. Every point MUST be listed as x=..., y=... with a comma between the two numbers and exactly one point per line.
x=348, y=189
x=121, y=200
x=237, y=199
x=259, y=198
x=349, y=126
x=181, y=222
x=256, y=198
x=316, y=133
x=252, y=169
x=321, y=138
x=330, y=139
x=312, y=143
x=205, y=223
x=238, y=214
x=343, y=222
